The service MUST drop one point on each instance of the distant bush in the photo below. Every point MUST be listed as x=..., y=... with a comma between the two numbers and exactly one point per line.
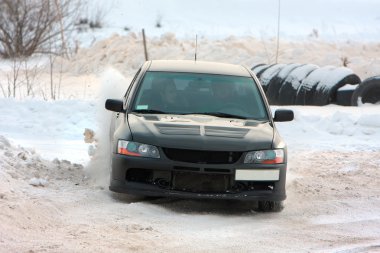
x=92, y=17
x=159, y=21
x=30, y=26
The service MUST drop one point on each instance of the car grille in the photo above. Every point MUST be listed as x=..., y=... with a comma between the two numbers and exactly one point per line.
x=202, y=157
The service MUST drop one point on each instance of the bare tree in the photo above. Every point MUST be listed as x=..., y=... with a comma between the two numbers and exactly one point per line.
x=27, y=26
x=3, y=90
x=31, y=72
x=14, y=78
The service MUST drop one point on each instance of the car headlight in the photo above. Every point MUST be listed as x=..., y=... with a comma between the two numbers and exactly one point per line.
x=137, y=149
x=265, y=156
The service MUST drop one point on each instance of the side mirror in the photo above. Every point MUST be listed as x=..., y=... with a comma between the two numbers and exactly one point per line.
x=115, y=105
x=282, y=115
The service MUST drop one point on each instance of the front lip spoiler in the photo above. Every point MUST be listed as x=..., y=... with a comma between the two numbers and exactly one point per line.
x=155, y=191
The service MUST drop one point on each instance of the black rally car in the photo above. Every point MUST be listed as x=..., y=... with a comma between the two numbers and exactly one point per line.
x=199, y=130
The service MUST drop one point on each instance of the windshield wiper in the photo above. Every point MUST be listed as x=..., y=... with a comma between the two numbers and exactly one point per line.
x=148, y=111
x=219, y=114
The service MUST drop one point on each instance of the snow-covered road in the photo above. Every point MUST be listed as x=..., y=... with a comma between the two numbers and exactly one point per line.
x=333, y=189
x=332, y=206
x=54, y=197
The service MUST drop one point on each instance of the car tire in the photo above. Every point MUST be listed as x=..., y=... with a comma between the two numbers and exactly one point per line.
x=367, y=92
x=266, y=206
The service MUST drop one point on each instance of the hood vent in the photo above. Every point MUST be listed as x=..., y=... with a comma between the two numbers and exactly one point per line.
x=226, y=131
x=173, y=129
x=151, y=117
x=252, y=123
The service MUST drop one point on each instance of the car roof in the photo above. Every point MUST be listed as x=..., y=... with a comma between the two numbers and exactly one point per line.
x=198, y=67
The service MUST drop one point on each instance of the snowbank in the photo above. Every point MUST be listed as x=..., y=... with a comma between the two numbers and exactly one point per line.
x=126, y=53
x=21, y=168
x=54, y=128
x=332, y=128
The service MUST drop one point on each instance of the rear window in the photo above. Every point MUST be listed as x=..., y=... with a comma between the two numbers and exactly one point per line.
x=187, y=93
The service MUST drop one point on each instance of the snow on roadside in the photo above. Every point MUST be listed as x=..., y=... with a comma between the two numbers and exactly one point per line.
x=332, y=128
x=54, y=128
x=330, y=195
x=21, y=168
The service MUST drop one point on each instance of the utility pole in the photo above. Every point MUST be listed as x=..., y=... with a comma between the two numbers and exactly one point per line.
x=278, y=29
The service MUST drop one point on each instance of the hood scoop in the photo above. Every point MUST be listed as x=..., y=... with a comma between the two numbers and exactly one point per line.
x=252, y=123
x=174, y=129
x=231, y=132
x=178, y=129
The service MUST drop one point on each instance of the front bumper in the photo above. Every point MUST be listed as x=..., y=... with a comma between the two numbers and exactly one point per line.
x=167, y=178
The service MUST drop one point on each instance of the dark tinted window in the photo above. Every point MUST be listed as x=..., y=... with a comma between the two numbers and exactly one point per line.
x=181, y=93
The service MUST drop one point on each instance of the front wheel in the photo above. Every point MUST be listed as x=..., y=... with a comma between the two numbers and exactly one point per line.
x=269, y=206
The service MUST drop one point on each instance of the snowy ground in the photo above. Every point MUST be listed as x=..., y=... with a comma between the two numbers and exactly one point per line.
x=332, y=206
x=54, y=196
x=338, y=20
x=62, y=204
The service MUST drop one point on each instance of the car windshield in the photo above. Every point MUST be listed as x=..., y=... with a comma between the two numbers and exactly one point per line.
x=196, y=93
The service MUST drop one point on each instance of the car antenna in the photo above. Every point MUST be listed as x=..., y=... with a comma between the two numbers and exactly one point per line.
x=196, y=46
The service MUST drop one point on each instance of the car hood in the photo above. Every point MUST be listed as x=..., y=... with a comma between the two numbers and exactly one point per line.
x=201, y=132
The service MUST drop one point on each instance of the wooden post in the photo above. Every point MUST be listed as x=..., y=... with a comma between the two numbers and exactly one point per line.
x=144, y=42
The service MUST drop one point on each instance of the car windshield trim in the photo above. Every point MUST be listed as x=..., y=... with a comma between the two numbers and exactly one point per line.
x=224, y=115
x=147, y=111
x=217, y=114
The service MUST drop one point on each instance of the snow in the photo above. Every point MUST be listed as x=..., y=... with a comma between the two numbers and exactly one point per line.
x=54, y=127
x=348, y=87
x=331, y=150
x=213, y=19
x=269, y=73
x=53, y=176
x=332, y=128
x=332, y=78
x=38, y=181
x=296, y=76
